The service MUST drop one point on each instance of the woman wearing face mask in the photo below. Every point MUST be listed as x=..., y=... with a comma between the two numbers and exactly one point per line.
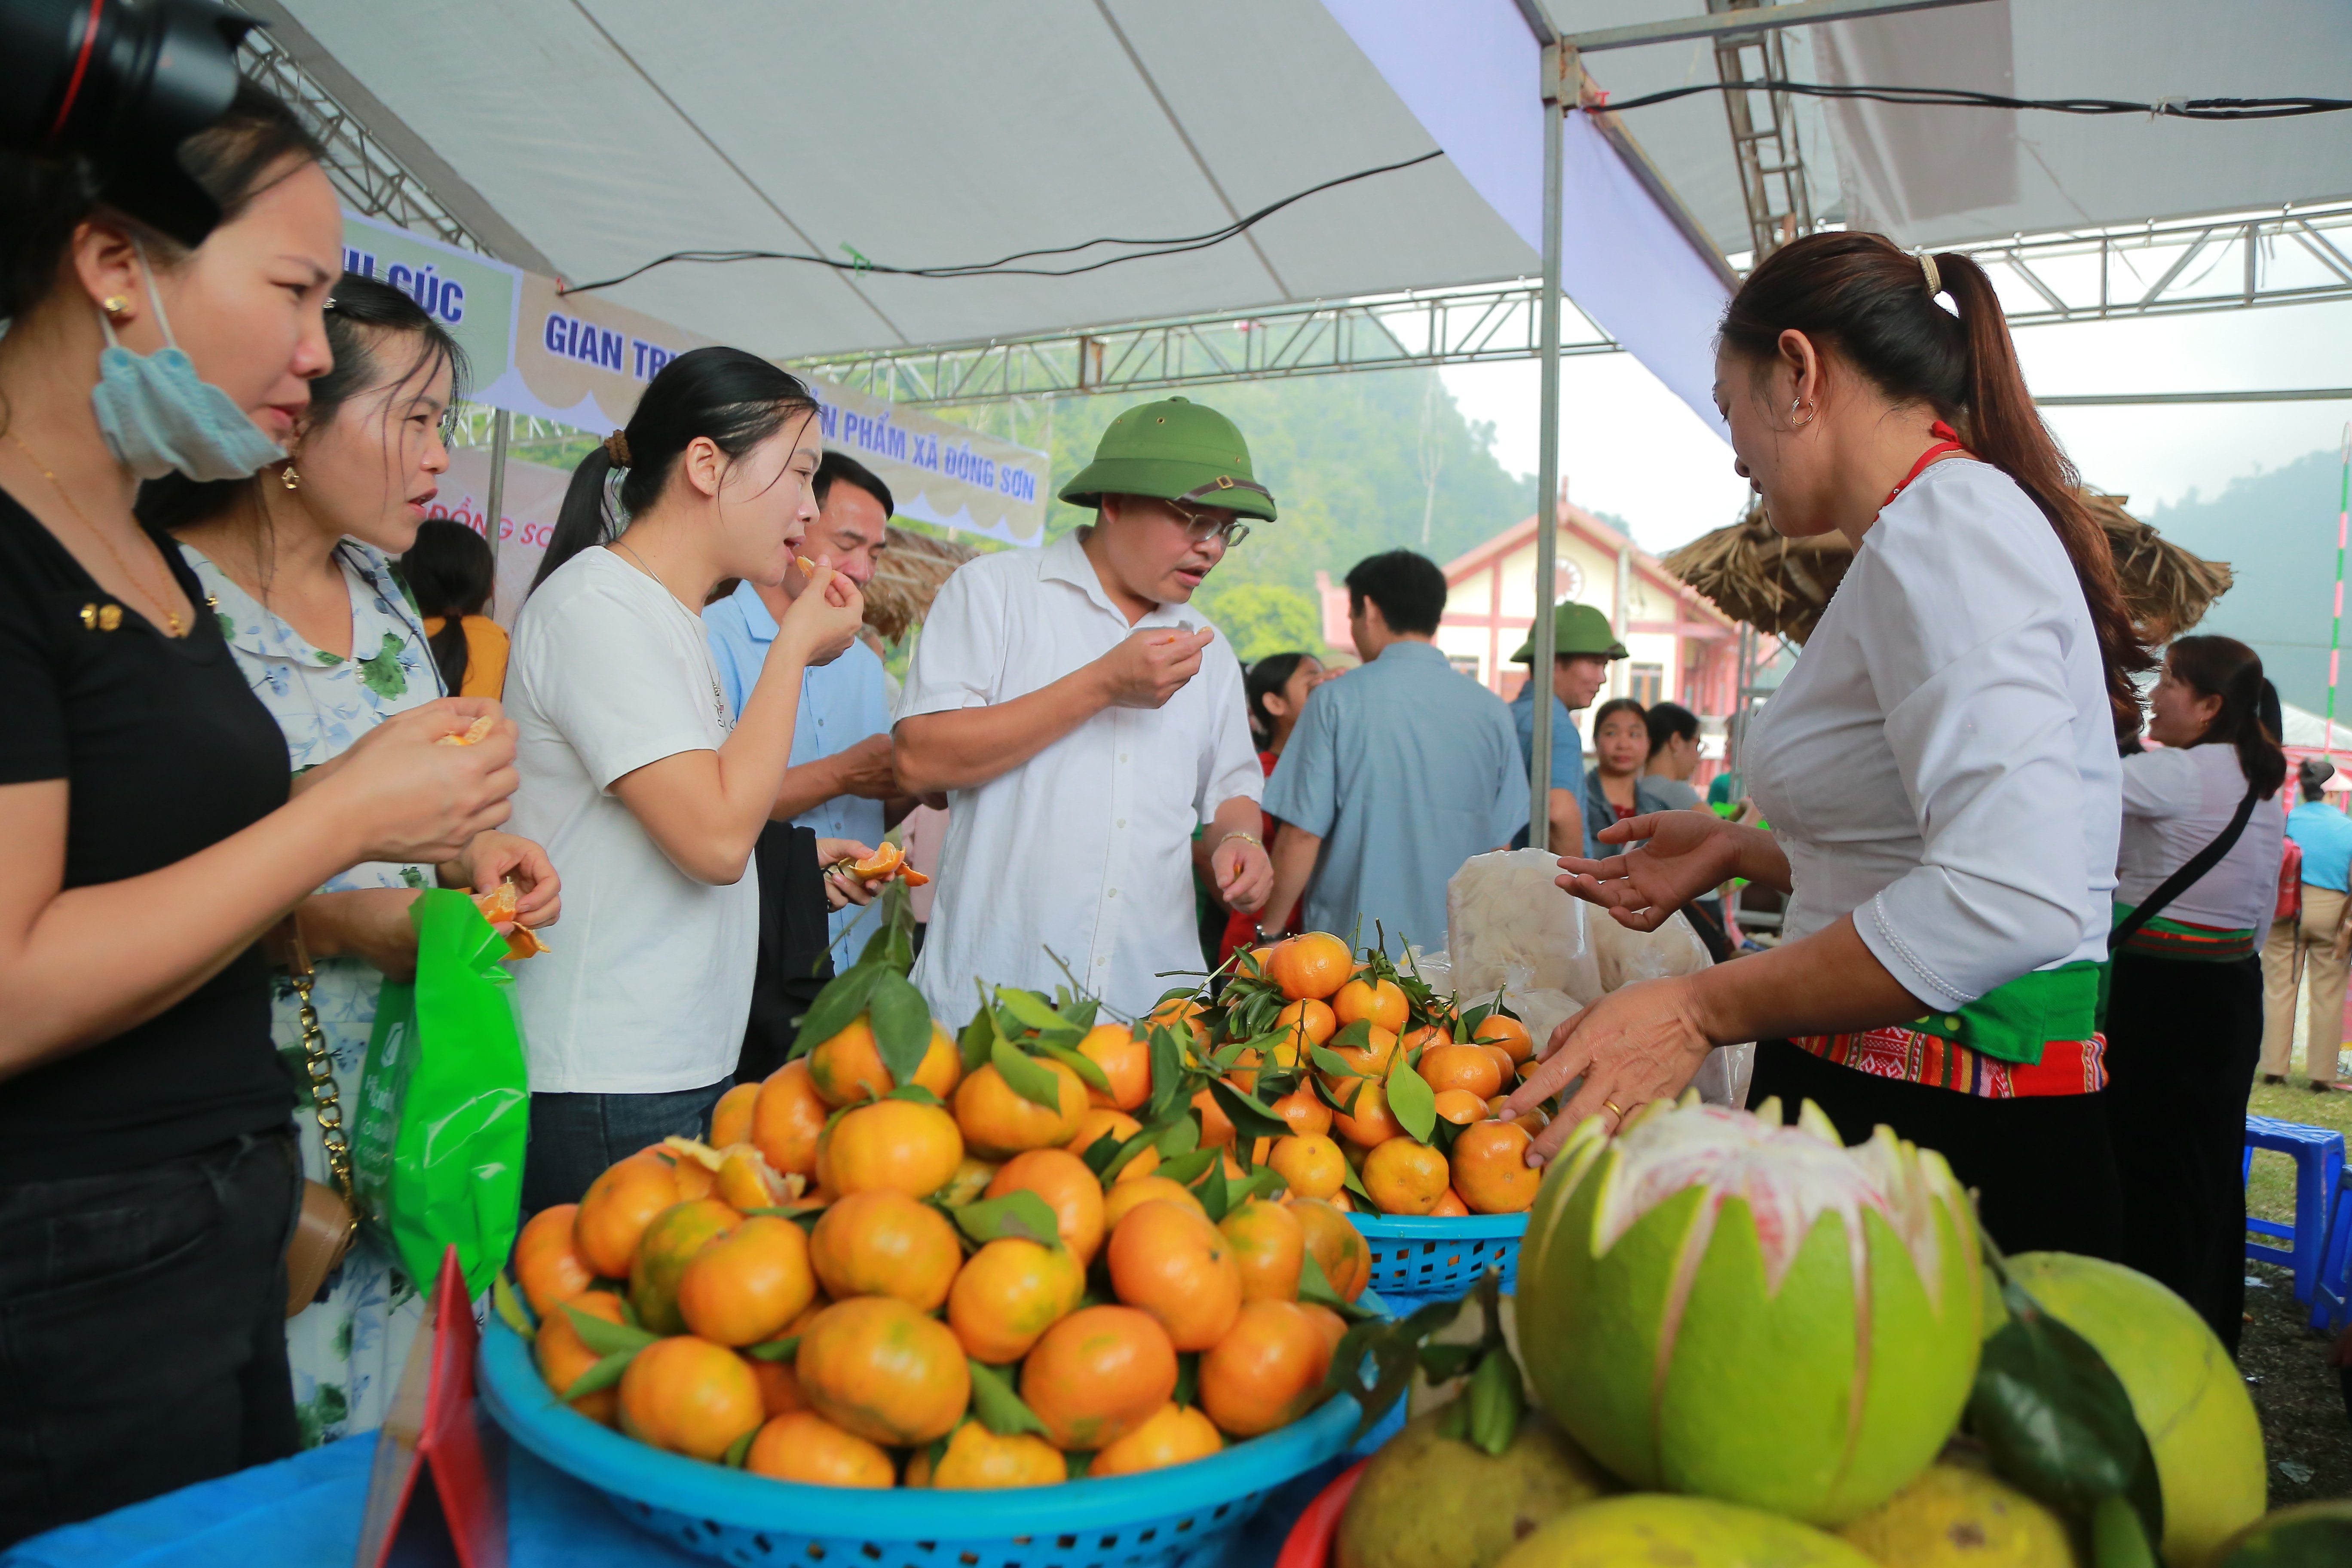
x=636, y=778
x=294, y=564
x=1615, y=789
x=1940, y=772
x=148, y=1168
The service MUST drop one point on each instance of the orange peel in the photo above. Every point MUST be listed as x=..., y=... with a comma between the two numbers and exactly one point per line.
x=472, y=735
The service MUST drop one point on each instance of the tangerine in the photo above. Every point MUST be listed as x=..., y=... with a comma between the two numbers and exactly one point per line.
x=780, y=1389
x=997, y=1123
x=1426, y=1037
x=1402, y=1176
x=1312, y=1018
x=669, y=1244
x=620, y=1203
x=1460, y=1106
x=690, y=1176
x=900, y=1145
x=563, y=1356
x=746, y=1180
x=1310, y=1164
x=1449, y=1205
x=848, y=1067
x=1270, y=1247
x=881, y=1370
x=1333, y=1326
x=971, y=1179
x=1174, y=1434
x=1460, y=1066
x=1367, y=1121
x=547, y=1261
x=731, y=1118
x=1383, y=1002
x=1304, y=1110
x=689, y=1396
x=1125, y=1195
x=1312, y=966
x=1125, y=1060
x=1069, y=1189
x=1176, y=1266
x=1010, y=1292
x=1339, y=1247
x=1117, y=1126
x=1216, y=1127
x=1491, y=1170
x=746, y=1285
x=1267, y=1372
x=788, y=1119
x=802, y=1446
x=1502, y=1029
x=978, y=1459
x=884, y=1243
x=1183, y=1010
x=1098, y=1374
x=1506, y=1065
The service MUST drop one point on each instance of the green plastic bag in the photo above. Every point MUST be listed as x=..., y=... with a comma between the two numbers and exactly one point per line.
x=437, y=1152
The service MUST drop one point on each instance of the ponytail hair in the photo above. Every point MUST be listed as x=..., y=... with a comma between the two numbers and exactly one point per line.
x=2229, y=669
x=1266, y=678
x=736, y=399
x=1873, y=302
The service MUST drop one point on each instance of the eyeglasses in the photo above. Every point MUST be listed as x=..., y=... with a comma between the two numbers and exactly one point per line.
x=1200, y=527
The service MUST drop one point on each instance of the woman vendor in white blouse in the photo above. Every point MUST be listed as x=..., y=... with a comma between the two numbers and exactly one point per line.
x=1940, y=769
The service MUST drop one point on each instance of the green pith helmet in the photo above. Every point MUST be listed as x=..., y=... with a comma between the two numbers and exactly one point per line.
x=1176, y=450
x=1577, y=630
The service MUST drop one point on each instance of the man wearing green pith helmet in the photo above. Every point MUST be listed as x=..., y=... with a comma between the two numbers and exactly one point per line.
x=1084, y=719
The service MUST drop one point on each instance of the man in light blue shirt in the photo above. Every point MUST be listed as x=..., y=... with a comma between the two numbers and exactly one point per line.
x=1583, y=647
x=841, y=783
x=1396, y=774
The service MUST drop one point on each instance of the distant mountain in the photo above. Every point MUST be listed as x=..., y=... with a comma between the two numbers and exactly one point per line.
x=2277, y=531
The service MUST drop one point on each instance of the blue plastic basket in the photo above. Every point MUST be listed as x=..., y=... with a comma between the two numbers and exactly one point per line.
x=1184, y=1514
x=1417, y=1259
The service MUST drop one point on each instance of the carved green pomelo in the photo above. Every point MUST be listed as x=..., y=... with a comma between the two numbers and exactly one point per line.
x=1713, y=1303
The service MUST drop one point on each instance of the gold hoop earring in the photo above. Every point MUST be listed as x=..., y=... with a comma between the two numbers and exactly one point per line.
x=288, y=478
x=115, y=305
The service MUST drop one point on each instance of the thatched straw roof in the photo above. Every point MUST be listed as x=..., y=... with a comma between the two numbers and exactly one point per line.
x=908, y=579
x=1782, y=585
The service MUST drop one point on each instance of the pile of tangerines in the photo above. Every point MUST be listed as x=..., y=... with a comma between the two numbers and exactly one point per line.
x=1409, y=1083
x=995, y=1275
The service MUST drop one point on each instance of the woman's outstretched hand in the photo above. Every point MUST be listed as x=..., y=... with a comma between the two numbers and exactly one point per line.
x=1631, y=1046
x=1675, y=857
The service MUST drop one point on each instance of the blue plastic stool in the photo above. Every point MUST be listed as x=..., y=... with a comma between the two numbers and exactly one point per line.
x=2331, y=1302
x=2318, y=1153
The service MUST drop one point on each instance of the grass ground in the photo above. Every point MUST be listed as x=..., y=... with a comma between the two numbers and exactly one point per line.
x=2285, y=1365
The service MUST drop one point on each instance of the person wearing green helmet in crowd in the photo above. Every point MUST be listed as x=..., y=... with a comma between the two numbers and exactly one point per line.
x=1583, y=647
x=1083, y=720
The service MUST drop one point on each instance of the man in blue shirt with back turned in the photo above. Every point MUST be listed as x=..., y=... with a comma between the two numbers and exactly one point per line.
x=2324, y=834
x=1396, y=774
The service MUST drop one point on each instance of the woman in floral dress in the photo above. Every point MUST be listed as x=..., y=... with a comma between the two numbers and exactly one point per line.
x=295, y=563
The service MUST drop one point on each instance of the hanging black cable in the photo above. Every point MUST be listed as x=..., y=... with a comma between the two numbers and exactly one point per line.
x=1962, y=98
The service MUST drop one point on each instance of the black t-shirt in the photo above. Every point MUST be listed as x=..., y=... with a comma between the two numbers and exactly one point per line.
x=164, y=750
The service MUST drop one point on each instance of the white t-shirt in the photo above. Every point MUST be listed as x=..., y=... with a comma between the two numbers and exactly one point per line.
x=2176, y=802
x=1087, y=848
x=649, y=984
x=1941, y=762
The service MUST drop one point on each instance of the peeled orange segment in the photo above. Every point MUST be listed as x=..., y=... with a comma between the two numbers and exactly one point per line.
x=880, y=864
x=805, y=564
x=474, y=732
x=498, y=904
x=524, y=942
x=911, y=877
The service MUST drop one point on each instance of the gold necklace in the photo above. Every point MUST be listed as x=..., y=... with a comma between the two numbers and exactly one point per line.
x=162, y=601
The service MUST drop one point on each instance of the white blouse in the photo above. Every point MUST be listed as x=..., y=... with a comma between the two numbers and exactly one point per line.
x=1941, y=762
x=2176, y=802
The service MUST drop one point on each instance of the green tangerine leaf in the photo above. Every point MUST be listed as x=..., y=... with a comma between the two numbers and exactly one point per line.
x=901, y=1021
x=1413, y=1103
x=606, y=1338
x=1252, y=1118
x=1020, y=1214
x=838, y=1005
x=1023, y=1076
x=1000, y=1409
x=1089, y=1071
x=739, y=1449
x=775, y=1350
x=509, y=1306
x=600, y=1377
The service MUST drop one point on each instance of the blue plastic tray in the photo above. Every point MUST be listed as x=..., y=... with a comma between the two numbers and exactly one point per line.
x=1184, y=1514
x=1417, y=1259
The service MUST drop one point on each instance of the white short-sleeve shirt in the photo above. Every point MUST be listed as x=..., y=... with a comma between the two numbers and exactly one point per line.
x=649, y=982
x=1941, y=762
x=1085, y=849
x=2176, y=802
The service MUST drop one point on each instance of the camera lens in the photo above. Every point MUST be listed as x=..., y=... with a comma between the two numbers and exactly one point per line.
x=120, y=84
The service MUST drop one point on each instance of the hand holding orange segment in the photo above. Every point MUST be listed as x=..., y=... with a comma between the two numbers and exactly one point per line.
x=472, y=735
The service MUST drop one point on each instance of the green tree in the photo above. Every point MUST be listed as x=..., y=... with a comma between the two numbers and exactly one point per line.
x=1262, y=618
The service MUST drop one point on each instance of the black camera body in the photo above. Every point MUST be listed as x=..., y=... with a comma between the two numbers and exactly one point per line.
x=116, y=86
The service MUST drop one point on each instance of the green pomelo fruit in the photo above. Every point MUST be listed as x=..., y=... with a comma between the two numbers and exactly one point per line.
x=1654, y=1530
x=1432, y=1501
x=2308, y=1535
x=1960, y=1516
x=2184, y=1388
x=1713, y=1305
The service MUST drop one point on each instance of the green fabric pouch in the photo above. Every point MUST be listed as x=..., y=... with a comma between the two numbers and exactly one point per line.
x=2011, y=1022
x=444, y=1107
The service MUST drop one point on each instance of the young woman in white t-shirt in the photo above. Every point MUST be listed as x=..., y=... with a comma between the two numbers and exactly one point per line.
x=2185, y=1003
x=648, y=793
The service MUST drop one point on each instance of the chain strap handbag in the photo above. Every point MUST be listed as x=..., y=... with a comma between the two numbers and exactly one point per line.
x=329, y=1222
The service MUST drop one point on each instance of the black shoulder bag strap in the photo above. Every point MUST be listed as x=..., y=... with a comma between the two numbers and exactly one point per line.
x=2180, y=881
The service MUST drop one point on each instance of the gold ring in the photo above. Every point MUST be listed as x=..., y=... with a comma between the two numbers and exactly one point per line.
x=1610, y=1106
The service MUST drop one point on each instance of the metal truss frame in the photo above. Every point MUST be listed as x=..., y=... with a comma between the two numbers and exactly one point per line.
x=2234, y=262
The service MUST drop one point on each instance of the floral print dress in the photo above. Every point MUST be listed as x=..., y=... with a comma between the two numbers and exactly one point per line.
x=346, y=1350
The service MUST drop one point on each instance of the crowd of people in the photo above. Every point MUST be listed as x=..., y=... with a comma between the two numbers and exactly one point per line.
x=232, y=643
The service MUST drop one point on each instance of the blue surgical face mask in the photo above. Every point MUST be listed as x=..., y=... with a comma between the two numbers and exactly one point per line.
x=157, y=414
